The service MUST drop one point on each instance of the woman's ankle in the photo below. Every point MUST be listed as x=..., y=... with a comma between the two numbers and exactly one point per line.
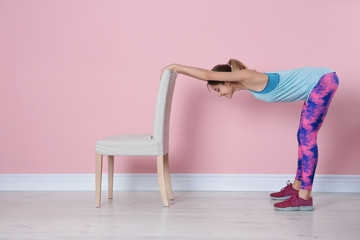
x=304, y=194
x=296, y=185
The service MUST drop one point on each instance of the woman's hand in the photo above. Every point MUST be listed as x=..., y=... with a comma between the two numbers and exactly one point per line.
x=169, y=67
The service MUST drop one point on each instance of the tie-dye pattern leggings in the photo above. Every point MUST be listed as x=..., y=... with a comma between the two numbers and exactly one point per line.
x=312, y=116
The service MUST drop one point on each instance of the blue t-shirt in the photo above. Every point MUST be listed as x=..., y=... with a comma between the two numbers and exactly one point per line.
x=291, y=85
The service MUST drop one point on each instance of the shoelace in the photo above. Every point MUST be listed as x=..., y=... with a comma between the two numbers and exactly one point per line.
x=287, y=185
x=294, y=199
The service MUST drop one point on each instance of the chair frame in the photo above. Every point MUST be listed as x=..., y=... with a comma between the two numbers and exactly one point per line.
x=163, y=174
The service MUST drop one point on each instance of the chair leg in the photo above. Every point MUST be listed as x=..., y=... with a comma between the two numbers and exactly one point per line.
x=110, y=176
x=98, y=176
x=161, y=179
x=167, y=177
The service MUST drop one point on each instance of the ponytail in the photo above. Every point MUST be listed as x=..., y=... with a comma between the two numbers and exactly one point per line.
x=236, y=65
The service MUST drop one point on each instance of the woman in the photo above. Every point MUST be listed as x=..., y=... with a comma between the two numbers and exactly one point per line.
x=315, y=86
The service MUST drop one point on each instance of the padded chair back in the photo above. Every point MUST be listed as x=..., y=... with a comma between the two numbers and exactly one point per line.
x=163, y=108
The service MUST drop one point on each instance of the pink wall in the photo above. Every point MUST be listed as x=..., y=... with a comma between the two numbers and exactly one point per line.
x=75, y=71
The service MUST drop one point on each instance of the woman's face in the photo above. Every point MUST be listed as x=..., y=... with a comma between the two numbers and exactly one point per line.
x=225, y=89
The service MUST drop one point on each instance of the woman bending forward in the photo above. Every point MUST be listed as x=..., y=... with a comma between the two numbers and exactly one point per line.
x=315, y=86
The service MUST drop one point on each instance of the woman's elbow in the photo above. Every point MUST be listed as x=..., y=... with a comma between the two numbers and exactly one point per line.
x=209, y=75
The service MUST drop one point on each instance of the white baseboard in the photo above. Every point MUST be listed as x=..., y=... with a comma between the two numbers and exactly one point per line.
x=180, y=182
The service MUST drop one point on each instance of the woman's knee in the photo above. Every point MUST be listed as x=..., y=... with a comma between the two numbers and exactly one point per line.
x=306, y=137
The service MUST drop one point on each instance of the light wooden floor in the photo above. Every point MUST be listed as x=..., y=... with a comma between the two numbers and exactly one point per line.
x=193, y=215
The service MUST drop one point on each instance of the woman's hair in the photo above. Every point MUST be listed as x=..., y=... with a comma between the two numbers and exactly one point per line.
x=232, y=66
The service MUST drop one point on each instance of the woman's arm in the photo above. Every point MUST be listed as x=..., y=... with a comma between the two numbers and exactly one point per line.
x=205, y=75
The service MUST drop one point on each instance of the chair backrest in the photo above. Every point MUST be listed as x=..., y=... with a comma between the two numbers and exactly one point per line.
x=163, y=108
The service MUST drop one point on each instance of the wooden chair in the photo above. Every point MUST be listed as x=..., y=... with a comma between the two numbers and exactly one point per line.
x=156, y=144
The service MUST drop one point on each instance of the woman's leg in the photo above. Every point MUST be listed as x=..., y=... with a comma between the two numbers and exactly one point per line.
x=312, y=116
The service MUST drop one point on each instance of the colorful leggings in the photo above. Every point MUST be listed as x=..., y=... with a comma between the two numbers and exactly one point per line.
x=312, y=116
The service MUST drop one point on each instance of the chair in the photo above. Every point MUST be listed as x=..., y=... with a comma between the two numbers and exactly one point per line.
x=142, y=144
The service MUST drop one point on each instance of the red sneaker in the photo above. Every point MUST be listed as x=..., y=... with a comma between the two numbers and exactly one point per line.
x=285, y=192
x=295, y=203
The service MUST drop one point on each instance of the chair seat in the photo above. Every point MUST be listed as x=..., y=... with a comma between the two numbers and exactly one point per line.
x=129, y=145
